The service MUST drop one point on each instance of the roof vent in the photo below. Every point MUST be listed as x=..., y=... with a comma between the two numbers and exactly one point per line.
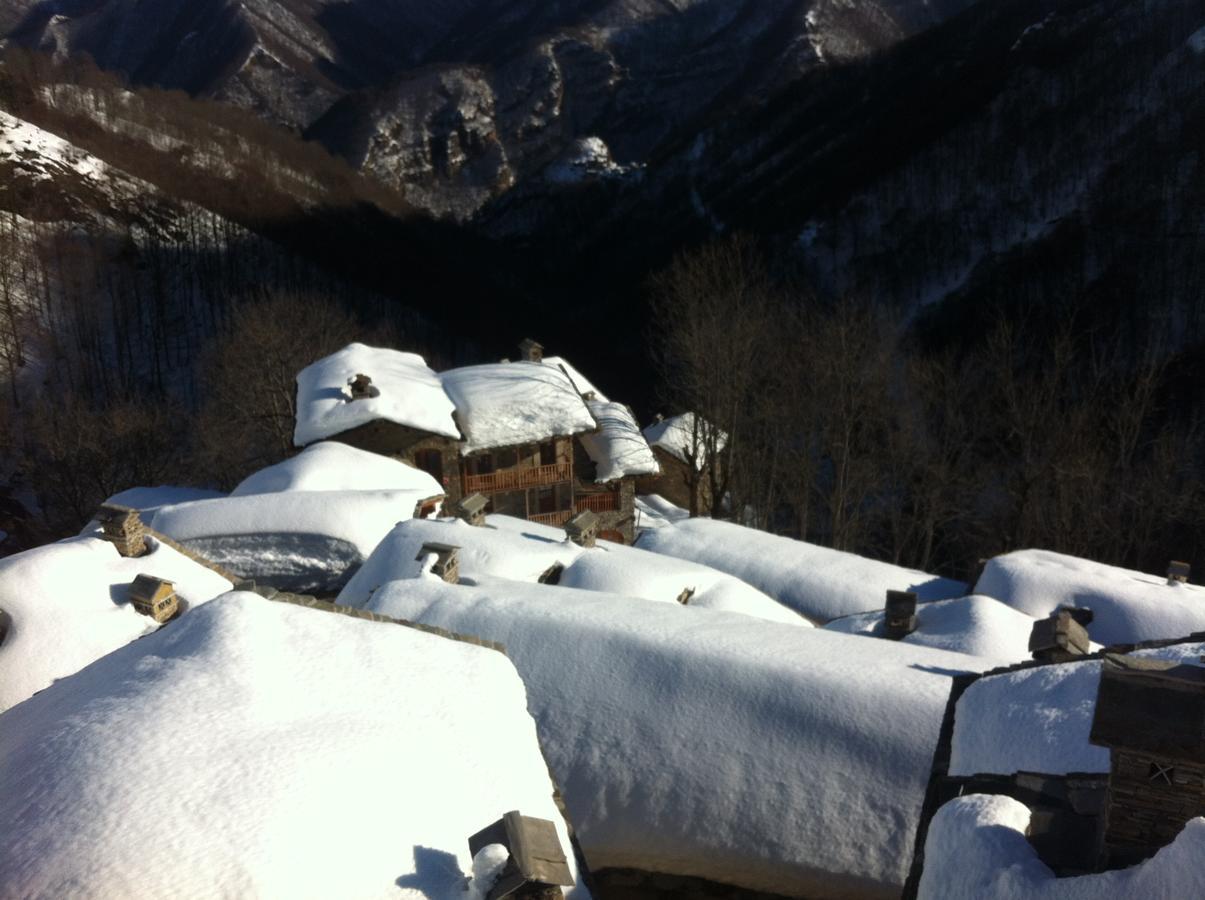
x=537, y=864
x=472, y=508
x=1177, y=572
x=582, y=529
x=362, y=387
x=531, y=351
x=900, y=618
x=447, y=560
x=154, y=597
x=1058, y=639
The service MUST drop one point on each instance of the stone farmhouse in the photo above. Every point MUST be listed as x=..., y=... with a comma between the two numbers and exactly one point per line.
x=533, y=436
x=679, y=446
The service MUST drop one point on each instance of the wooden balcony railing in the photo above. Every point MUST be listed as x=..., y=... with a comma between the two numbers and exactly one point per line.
x=607, y=501
x=517, y=479
x=553, y=518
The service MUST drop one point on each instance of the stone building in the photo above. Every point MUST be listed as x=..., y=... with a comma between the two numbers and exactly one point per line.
x=679, y=445
x=1150, y=713
x=533, y=437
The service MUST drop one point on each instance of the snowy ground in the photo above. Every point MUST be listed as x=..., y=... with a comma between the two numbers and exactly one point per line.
x=711, y=744
x=977, y=848
x=816, y=582
x=1128, y=606
x=255, y=749
x=69, y=605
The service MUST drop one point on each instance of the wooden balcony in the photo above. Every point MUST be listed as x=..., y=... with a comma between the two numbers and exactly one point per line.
x=518, y=478
x=553, y=518
x=606, y=501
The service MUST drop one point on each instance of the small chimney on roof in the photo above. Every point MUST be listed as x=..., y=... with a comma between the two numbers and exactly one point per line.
x=472, y=508
x=447, y=560
x=361, y=387
x=1177, y=572
x=900, y=614
x=531, y=351
x=589, y=395
x=1058, y=639
x=123, y=528
x=537, y=866
x=154, y=597
x=582, y=529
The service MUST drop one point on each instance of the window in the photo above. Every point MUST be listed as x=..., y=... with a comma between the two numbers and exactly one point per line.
x=507, y=459
x=548, y=453
x=1159, y=774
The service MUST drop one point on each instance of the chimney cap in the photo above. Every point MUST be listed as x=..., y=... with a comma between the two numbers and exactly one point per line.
x=533, y=351
x=536, y=855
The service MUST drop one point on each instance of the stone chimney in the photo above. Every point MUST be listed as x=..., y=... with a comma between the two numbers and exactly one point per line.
x=1149, y=714
x=537, y=866
x=1058, y=639
x=361, y=387
x=531, y=351
x=582, y=529
x=447, y=560
x=1177, y=572
x=900, y=614
x=123, y=528
x=472, y=509
x=154, y=597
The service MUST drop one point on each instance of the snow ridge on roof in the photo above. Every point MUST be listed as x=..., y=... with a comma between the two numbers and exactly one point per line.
x=618, y=448
x=504, y=404
x=406, y=391
x=332, y=466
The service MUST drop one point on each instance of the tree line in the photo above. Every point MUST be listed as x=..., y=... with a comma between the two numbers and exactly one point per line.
x=834, y=421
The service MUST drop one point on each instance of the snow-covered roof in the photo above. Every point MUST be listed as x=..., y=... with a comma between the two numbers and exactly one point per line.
x=300, y=540
x=710, y=744
x=618, y=448
x=149, y=499
x=509, y=548
x=332, y=466
x=817, y=582
x=260, y=749
x=1037, y=719
x=580, y=381
x=977, y=847
x=654, y=511
x=978, y=626
x=405, y=391
x=68, y=606
x=1127, y=606
x=676, y=436
x=503, y=404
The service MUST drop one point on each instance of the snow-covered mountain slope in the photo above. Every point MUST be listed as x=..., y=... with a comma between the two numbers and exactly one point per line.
x=459, y=101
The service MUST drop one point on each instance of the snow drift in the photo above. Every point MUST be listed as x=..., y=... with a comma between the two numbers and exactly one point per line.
x=332, y=466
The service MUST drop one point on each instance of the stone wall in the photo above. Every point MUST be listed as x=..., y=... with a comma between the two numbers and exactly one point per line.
x=1144, y=811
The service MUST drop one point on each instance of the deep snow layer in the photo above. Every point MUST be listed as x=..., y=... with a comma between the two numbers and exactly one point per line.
x=259, y=749
x=408, y=392
x=1037, y=719
x=503, y=404
x=618, y=448
x=976, y=625
x=332, y=466
x=816, y=582
x=1128, y=606
x=977, y=848
x=68, y=605
x=518, y=550
x=682, y=439
x=699, y=742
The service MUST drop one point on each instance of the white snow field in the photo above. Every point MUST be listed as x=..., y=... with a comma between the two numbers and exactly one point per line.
x=67, y=605
x=977, y=848
x=299, y=540
x=332, y=466
x=1128, y=606
x=501, y=404
x=816, y=582
x=976, y=625
x=518, y=550
x=618, y=449
x=257, y=749
x=710, y=744
x=1038, y=719
x=408, y=392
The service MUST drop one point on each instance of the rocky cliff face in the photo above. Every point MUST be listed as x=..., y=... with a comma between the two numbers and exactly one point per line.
x=462, y=101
